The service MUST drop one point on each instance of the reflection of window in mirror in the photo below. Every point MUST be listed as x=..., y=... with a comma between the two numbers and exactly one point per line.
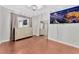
x=20, y=22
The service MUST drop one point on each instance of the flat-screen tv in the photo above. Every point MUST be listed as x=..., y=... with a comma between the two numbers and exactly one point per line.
x=70, y=15
x=24, y=22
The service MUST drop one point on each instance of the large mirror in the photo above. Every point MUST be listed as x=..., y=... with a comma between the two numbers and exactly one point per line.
x=22, y=22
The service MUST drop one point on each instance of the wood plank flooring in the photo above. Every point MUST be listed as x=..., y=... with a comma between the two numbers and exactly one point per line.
x=36, y=45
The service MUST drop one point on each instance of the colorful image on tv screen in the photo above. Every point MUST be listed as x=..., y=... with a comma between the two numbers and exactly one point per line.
x=70, y=15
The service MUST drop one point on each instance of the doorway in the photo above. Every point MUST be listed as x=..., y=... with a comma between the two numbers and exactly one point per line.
x=43, y=30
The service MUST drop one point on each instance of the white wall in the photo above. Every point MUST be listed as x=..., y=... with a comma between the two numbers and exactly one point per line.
x=35, y=25
x=65, y=33
x=5, y=24
x=0, y=23
x=5, y=19
x=69, y=33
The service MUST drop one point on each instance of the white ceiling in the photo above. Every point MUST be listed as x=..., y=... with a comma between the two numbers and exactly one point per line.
x=29, y=12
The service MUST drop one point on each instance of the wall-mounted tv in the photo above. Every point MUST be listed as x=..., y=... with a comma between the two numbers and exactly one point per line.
x=70, y=15
x=24, y=22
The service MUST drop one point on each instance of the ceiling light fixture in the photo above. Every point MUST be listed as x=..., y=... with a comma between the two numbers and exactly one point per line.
x=35, y=7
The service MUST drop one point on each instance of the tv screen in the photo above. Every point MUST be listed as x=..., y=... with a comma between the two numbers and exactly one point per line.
x=24, y=22
x=70, y=15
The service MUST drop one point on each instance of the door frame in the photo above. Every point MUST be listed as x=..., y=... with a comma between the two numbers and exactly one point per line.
x=12, y=28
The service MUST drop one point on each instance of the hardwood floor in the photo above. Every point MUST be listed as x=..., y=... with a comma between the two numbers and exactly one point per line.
x=36, y=45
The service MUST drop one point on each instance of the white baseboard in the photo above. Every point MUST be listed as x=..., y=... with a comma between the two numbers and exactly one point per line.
x=3, y=41
x=75, y=46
